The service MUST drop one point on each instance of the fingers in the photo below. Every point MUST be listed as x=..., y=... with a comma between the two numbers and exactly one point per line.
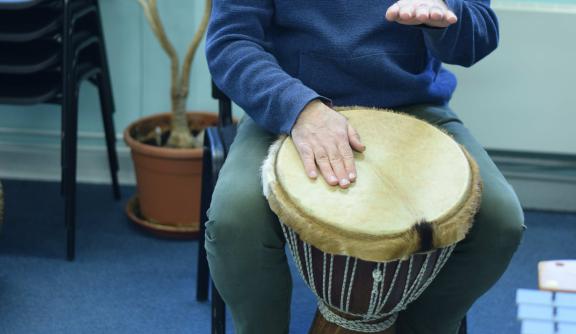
x=324, y=164
x=334, y=157
x=325, y=142
x=414, y=12
x=337, y=164
x=348, y=160
x=451, y=18
x=436, y=14
x=422, y=13
x=307, y=156
x=406, y=13
x=392, y=12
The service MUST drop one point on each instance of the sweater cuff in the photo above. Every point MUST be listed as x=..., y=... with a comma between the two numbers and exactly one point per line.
x=294, y=103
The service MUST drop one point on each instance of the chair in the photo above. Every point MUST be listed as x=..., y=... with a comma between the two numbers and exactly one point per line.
x=217, y=141
x=463, y=326
x=49, y=48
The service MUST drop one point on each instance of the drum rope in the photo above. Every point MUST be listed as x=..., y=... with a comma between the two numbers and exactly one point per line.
x=401, y=304
x=377, y=303
x=310, y=269
x=293, y=245
x=418, y=280
x=351, y=285
x=422, y=272
x=324, y=275
x=381, y=292
x=408, y=297
x=343, y=291
x=392, y=285
x=376, y=280
x=356, y=325
x=440, y=262
x=330, y=279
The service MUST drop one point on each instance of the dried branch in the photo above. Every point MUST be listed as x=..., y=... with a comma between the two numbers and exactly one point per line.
x=151, y=12
x=187, y=66
x=180, y=135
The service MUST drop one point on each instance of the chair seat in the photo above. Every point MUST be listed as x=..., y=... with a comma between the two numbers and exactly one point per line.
x=27, y=58
x=29, y=90
x=22, y=27
x=39, y=22
x=24, y=4
x=43, y=87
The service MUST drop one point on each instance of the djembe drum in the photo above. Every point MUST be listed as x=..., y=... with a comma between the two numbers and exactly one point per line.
x=367, y=251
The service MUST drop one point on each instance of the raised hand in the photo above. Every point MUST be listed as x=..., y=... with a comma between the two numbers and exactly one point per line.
x=433, y=13
x=324, y=138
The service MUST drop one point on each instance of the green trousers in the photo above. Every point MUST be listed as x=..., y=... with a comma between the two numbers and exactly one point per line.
x=245, y=245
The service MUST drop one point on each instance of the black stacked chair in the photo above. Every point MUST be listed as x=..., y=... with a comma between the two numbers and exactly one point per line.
x=49, y=47
x=217, y=141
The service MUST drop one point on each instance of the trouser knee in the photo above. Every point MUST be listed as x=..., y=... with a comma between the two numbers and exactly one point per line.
x=501, y=223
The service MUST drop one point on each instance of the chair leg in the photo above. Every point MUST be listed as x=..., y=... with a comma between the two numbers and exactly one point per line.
x=106, y=107
x=203, y=272
x=218, y=312
x=463, y=326
x=66, y=68
x=107, y=104
x=65, y=110
x=70, y=184
x=103, y=59
x=69, y=135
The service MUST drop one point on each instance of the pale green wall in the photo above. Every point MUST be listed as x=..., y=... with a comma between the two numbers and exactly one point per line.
x=522, y=97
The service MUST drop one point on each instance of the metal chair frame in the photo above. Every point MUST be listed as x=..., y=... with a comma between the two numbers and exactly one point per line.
x=72, y=68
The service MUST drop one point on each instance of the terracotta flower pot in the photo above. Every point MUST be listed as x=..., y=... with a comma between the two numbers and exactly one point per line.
x=168, y=179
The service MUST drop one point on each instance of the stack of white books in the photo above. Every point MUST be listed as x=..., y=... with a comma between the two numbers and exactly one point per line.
x=545, y=312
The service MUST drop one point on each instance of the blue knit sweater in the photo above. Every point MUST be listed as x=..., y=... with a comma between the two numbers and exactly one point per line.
x=272, y=57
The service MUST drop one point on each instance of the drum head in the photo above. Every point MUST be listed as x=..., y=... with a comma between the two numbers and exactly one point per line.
x=415, y=185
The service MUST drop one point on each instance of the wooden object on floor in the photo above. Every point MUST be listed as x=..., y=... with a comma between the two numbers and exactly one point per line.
x=557, y=275
x=322, y=326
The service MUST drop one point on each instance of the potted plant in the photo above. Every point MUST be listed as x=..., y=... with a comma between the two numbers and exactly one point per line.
x=166, y=148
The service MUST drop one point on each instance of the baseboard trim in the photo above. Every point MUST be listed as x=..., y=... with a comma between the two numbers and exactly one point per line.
x=42, y=162
x=543, y=181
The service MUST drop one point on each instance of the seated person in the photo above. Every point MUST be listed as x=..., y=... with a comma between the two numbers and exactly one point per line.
x=286, y=63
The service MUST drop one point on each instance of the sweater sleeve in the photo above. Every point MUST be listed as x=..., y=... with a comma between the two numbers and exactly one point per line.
x=243, y=67
x=470, y=39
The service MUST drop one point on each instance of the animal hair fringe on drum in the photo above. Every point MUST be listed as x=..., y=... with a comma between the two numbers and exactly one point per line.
x=442, y=233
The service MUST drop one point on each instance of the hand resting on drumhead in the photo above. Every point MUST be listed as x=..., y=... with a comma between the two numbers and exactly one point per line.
x=432, y=13
x=324, y=138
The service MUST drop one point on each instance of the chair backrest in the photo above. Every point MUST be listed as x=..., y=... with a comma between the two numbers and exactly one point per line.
x=224, y=106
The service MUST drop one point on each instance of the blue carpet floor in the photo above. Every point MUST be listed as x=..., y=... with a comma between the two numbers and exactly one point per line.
x=126, y=281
